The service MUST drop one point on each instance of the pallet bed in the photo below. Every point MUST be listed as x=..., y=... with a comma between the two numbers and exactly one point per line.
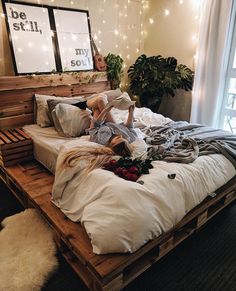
x=31, y=183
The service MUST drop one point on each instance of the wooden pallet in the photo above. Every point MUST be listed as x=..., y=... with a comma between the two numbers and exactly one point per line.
x=15, y=146
x=31, y=183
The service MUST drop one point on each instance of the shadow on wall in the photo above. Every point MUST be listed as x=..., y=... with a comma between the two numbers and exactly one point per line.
x=178, y=107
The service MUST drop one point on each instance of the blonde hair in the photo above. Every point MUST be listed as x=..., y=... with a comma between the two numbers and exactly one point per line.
x=96, y=157
x=122, y=148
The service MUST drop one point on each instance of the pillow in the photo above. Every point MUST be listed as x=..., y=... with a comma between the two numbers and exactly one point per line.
x=69, y=120
x=41, y=108
x=52, y=103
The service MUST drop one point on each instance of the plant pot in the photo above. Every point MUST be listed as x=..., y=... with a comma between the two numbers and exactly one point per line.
x=151, y=102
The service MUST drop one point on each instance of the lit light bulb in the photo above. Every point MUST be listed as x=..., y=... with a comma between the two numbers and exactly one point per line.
x=19, y=50
x=30, y=44
x=2, y=15
x=137, y=50
x=47, y=63
x=181, y=1
x=95, y=36
x=52, y=33
x=151, y=20
x=116, y=32
x=99, y=32
x=72, y=2
x=104, y=21
x=167, y=12
x=116, y=45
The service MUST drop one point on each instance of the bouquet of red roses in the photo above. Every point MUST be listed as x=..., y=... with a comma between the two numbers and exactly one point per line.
x=129, y=169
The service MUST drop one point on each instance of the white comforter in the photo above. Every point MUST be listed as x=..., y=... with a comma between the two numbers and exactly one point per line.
x=120, y=215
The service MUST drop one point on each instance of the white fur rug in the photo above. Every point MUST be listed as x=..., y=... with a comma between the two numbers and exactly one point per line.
x=27, y=252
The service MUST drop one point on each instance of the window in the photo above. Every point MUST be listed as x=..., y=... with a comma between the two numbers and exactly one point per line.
x=228, y=113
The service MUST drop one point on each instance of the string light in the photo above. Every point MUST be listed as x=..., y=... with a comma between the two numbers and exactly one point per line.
x=151, y=20
x=167, y=12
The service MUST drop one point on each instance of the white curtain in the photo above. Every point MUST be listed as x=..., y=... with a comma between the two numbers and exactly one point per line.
x=211, y=61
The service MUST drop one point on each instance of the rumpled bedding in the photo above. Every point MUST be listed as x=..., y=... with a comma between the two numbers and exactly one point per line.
x=120, y=215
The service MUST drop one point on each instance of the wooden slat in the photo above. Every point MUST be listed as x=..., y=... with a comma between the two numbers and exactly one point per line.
x=21, y=82
x=5, y=147
x=15, y=121
x=16, y=108
x=16, y=156
x=4, y=138
x=21, y=132
x=24, y=95
x=16, y=134
x=10, y=136
x=6, y=152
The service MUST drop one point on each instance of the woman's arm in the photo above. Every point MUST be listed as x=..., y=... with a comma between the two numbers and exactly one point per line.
x=101, y=116
x=130, y=119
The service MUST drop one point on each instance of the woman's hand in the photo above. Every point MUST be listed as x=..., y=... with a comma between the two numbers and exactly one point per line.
x=131, y=108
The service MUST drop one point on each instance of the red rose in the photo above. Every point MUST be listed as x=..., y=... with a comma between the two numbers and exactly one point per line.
x=118, y=171
x=123, y=173
x=133, y=170
x=131, y=177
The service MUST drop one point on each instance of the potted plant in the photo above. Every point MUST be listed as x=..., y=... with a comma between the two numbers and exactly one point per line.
x=114, y=69
x=152, y=78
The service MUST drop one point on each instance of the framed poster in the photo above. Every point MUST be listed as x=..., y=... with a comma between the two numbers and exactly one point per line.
x=73, y=36
x=30, y=38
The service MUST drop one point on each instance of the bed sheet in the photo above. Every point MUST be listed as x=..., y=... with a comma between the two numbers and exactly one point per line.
x=47, y=144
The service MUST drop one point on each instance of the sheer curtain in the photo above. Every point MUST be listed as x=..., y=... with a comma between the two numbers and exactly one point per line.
x=211, y=63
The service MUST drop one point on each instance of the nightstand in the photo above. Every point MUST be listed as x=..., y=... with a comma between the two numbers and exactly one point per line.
x=15, y=146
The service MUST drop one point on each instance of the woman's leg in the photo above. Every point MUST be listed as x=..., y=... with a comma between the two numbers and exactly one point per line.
x=97, y=104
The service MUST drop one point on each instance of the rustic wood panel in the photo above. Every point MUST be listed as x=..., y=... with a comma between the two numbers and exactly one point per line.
x=37, y=81
x=16, y=93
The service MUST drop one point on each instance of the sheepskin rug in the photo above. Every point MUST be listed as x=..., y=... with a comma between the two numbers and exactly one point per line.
x=27, y=252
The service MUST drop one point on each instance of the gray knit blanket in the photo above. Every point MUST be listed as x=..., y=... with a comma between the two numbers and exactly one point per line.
x=183, y=142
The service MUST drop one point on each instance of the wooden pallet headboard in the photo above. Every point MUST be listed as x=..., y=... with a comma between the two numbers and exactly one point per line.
x=16, y=93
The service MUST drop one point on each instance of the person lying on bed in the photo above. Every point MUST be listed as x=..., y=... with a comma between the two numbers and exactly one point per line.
x=105, y=131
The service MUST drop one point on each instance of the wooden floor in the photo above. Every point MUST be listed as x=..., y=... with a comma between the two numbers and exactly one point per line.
x=32, y=184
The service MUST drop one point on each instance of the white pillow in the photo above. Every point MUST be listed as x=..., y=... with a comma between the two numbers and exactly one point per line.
x=71, y=121
x=41, y=110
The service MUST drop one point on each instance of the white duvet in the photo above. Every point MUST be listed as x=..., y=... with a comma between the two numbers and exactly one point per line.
x=120, y=215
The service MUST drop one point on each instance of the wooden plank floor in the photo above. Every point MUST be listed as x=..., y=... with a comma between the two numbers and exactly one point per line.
x=32, y=185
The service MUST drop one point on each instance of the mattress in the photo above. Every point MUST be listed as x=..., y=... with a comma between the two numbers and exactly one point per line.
x=47, y=144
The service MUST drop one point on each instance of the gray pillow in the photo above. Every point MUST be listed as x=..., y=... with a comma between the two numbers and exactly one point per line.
x=70, y=121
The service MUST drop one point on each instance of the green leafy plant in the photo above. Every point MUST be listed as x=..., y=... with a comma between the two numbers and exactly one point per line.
x=152, y=78
x=114, y=69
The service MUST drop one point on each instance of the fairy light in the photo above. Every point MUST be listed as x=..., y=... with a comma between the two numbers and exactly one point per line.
x=181, y=2
x=19, y=50
x=2, y=15
x=116, y=32
x=167, y=12
x=151, y=20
